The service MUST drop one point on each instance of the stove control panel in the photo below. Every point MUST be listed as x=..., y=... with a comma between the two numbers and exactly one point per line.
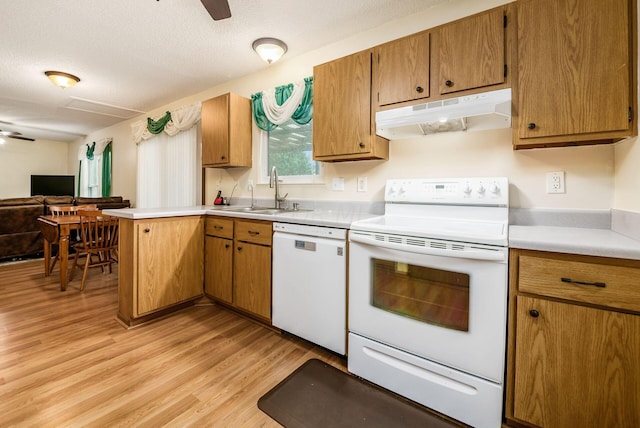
x=490, y=191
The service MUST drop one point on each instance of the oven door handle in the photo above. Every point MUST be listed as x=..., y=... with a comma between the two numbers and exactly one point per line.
x=478, y=254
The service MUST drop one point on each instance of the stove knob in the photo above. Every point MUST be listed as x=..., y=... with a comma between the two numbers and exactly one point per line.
x=481, y=189
x=495, y=189
x=467, y=190
x=392, y=190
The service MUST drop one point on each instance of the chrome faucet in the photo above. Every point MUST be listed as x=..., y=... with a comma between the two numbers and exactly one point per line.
x=273, y=182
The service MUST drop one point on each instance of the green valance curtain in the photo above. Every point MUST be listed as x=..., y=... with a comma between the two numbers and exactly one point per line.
x=157, y=126
x=276, y=106
x=171, y=123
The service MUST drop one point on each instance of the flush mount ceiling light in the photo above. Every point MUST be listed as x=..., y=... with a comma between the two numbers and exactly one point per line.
x=62, y=80
x=269, y=49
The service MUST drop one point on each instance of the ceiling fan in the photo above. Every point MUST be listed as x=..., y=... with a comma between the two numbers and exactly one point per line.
x=218, y=9
x=15, y=135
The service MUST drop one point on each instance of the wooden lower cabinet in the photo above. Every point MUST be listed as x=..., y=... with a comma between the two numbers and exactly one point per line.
x=219, y=268
x=252, y=285
x=573, y=363
x=160, y=265
x=238, y=265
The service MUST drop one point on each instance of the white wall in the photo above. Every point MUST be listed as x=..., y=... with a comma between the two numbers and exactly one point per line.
x=19, y=159
x=591, y=177
x=627, y=175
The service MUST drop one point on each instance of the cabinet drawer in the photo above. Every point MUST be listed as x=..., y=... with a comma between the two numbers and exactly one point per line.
x=581, y=280
x=221, y=227
x=257, y=232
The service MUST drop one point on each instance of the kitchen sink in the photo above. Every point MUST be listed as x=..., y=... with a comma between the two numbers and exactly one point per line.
x=263, y=210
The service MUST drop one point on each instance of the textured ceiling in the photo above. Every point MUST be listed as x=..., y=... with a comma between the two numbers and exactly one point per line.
x=139, y=55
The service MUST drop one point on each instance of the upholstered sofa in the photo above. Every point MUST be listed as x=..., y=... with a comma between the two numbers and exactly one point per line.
x=103, y=203
x=19, y=232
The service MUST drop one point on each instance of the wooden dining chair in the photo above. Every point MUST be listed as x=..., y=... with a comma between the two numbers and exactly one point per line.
x=99, y=234
x=56, y=210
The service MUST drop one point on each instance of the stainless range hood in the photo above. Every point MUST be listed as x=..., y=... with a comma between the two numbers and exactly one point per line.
x=487, y=110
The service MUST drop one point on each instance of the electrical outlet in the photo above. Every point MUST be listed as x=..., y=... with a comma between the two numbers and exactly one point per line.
x=555, y=182
x=337, y=184
x=362, y=184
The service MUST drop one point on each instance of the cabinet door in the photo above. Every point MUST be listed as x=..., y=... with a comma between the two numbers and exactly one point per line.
x=472, y=52
x=215, y=131
x=402, y=70
x=342, y=106
x=576, y=366
x=170, y=257
x=252, y=278
x=219, y=268
x=574, y=67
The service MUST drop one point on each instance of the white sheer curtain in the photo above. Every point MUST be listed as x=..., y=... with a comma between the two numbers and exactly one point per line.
x=169, y=170
x=90, y=175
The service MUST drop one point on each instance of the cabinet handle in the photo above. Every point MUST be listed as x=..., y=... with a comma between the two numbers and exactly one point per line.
x=531, y=125
x=448, y=83
x=419, y=89
x=534, y=313
x=593, y=284
x=147, y=230
x=253, y=233
x=218, y=227
x=361, y=144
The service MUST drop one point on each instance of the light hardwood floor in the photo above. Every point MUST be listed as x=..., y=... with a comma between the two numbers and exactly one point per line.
x=65, y=361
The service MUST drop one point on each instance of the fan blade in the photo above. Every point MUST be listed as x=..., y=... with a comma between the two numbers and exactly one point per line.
x=218, y=9
x=17, y=137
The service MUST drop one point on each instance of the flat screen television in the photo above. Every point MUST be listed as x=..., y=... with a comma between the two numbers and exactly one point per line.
x=53, y=185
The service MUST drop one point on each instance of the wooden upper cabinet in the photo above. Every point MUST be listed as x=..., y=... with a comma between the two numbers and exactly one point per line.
x=342, y=111
x=226, y=131
x=471, y=52
x=576, y=72
x=401, y=69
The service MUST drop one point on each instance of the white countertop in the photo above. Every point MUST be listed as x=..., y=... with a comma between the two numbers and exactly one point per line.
x=574, y=240
x=329, y=218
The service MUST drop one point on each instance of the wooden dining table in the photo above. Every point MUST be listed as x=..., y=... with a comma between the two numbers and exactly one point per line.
x=56, y=230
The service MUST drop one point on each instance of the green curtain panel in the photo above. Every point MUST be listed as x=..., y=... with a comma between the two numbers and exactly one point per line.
x=106, y=170
x=156, y=127
x=302, y=115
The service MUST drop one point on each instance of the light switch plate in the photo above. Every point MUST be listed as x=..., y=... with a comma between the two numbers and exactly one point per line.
x=555, y=182
x=337, y=184
x=362, y=184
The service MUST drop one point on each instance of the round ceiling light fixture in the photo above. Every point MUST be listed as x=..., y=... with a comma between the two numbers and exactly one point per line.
x=269, y=49
x=61, y=79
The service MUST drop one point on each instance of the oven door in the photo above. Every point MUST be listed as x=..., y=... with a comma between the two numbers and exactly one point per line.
x=438, y=303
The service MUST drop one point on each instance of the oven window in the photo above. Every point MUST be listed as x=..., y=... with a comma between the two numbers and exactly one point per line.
x=430, y=295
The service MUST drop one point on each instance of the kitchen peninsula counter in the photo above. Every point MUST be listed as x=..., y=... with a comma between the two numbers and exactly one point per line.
x=330, y=217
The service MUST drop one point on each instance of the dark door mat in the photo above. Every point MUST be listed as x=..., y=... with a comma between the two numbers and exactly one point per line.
x=319, y=395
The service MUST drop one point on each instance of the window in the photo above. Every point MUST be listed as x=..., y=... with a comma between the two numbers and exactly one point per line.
x=289, y=148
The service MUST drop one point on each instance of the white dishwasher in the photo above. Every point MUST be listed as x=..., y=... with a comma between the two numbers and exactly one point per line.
x=310, y=283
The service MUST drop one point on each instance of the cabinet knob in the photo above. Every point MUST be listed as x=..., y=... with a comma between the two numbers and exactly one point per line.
x=534, y=313
x=531, y=125
x=226, y=245
x=419, y=89
x=361, y=145
x=448, y=83
x=147, y=230
x=239, y=248
x=222, y=157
